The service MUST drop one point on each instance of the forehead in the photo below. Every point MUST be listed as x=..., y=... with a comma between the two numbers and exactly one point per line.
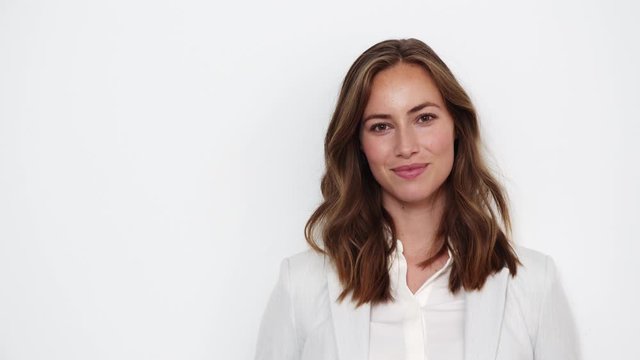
x=402, y=86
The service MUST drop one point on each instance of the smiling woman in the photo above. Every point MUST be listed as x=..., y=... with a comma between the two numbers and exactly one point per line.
x=414, y=259
x=409, y=149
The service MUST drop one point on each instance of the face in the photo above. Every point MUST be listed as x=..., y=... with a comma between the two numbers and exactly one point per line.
x=407, y=135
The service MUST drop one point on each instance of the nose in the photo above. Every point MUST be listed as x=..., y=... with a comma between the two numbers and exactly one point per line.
x=406, y=142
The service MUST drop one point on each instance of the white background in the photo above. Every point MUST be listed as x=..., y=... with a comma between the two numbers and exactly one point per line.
x=159, y=158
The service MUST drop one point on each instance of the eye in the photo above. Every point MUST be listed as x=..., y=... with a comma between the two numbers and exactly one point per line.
x=379, y=127
x=426, y=117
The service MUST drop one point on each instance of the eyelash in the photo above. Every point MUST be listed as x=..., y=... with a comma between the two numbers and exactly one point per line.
x=374, y=126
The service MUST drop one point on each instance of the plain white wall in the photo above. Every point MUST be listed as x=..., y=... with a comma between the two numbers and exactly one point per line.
x=159, y=158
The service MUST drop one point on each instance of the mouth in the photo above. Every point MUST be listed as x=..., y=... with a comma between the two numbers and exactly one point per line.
x=410, y=171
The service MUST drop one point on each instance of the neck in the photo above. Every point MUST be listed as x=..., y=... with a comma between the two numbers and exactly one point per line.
x=416, y=224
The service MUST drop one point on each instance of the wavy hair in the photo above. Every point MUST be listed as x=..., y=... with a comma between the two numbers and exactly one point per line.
x=354, y=227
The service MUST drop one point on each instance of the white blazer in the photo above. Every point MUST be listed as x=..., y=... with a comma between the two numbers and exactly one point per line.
x=526, y=317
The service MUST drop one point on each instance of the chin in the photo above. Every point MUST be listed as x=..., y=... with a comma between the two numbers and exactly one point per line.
x=414, y=201
x=411, y=198
x=412, y=194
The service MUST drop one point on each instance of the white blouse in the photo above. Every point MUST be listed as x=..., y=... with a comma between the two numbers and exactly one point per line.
x=427, y=325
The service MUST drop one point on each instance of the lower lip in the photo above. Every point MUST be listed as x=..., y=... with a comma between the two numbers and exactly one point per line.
x=410, y=174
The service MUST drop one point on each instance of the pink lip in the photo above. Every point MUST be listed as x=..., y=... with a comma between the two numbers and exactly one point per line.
x=410, y=171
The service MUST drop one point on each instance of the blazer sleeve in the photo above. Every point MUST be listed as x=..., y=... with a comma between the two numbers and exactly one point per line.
x=277, y=337
x=557, y=335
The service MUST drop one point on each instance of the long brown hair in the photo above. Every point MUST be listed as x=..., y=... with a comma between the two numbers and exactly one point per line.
x=354, y=226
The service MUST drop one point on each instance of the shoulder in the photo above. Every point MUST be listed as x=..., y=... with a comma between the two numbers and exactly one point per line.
x=535, y=270
x=533, y=263
x=303, y=275
x=308, y=288
x=305, y=264
x=306, y=275
x=296, y=306
x=528, y=289
x=538, y=295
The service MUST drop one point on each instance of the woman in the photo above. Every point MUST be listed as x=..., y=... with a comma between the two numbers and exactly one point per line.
x=411, y=257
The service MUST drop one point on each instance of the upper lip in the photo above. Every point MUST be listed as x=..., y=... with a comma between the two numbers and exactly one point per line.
x=409, y=167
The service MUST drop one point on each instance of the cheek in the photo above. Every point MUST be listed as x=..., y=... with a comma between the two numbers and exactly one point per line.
x=441, y=143
x=374, y=151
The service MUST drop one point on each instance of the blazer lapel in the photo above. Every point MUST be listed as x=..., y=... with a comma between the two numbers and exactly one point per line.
x=350, y=325
x=483, y=317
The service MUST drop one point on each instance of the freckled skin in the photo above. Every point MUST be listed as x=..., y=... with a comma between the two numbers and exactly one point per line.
x=407, y=138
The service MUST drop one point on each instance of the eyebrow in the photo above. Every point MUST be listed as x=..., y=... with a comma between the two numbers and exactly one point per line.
x=413, y=110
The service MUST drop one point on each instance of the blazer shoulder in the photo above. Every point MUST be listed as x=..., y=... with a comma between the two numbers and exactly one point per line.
x=537, y=289
x=307, y=272
x=534, y=270
x=533, y=261
x=306, y=257
x=307, y=265
x=293, y=306
x=529, y=287
x=308, y=286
